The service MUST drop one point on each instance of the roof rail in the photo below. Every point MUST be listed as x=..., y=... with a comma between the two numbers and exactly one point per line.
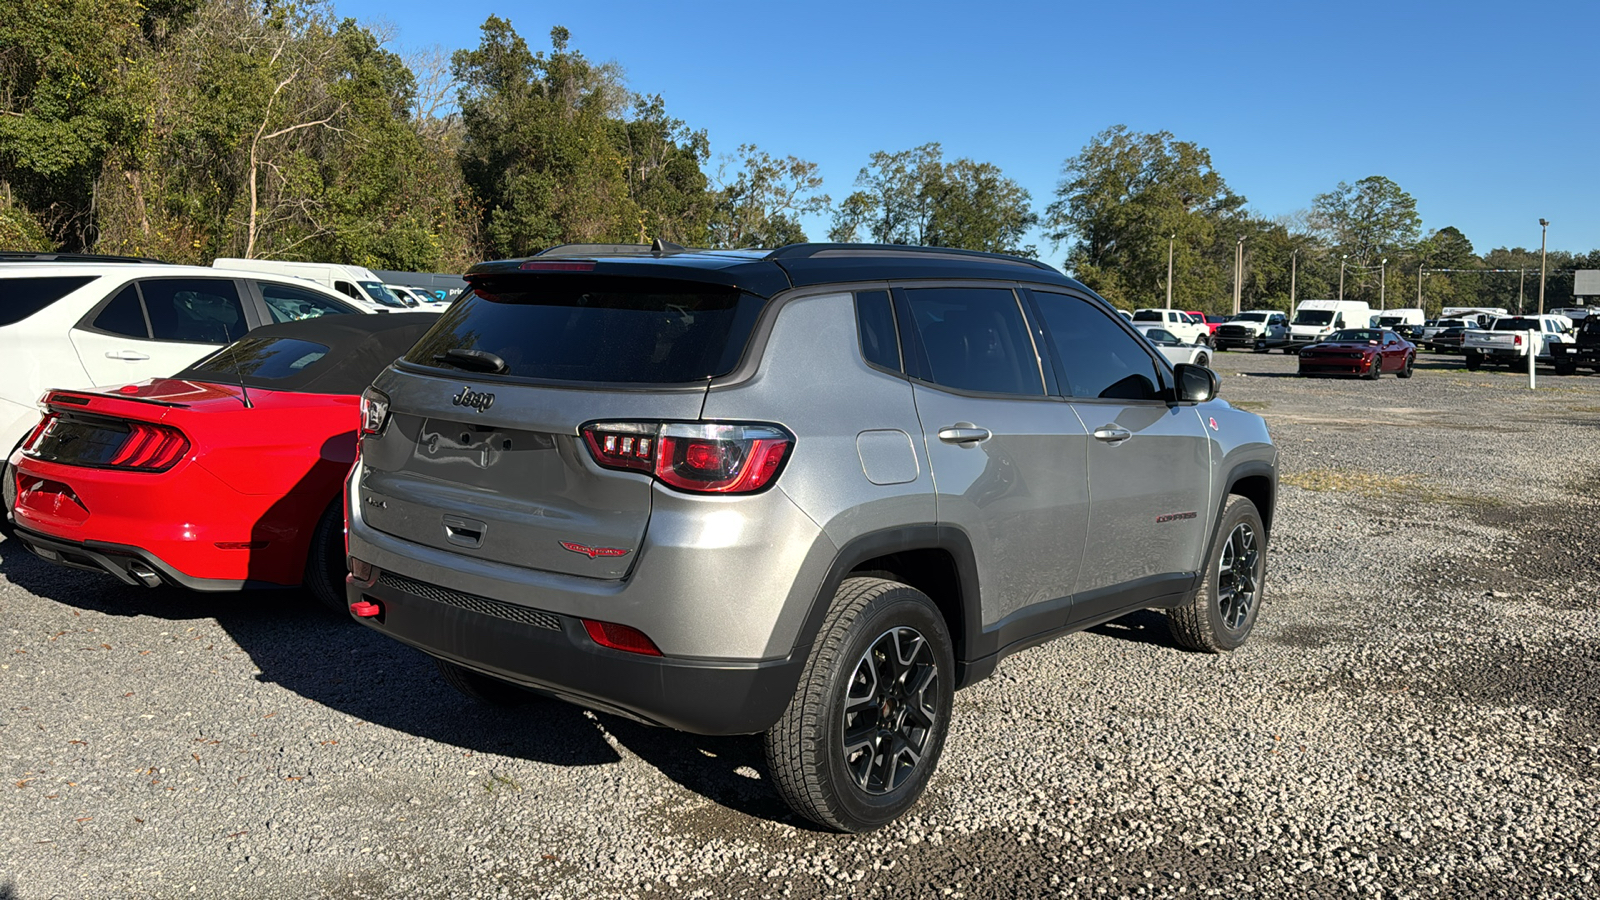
x=31, y=256
x=839, y=251
x=658, y=247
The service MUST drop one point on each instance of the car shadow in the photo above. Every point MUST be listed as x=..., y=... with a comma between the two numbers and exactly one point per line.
x=299, y=646
x=1146, y=626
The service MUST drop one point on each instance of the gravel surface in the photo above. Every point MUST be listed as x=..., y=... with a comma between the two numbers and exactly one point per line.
x=1415, y=716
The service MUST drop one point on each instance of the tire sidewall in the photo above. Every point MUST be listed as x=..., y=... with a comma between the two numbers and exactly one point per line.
x=1239, y=510
x=901, y=606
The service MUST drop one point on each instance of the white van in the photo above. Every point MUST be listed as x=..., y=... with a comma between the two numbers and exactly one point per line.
x=1393, y=319
x=1314, y=320
x=352, y=281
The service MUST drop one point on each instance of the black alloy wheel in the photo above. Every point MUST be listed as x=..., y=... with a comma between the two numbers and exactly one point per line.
x=1375, y=369
x=1222, y=613
x=891, y=709
x=1411, y=359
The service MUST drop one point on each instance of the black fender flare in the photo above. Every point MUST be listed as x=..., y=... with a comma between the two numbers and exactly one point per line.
x=872, y=545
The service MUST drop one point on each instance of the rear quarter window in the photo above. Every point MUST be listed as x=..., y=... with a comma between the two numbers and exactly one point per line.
x=20, y=298
x=596, y=329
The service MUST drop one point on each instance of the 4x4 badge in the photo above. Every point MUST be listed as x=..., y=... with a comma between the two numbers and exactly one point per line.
x=593, y=552
x=472, y=399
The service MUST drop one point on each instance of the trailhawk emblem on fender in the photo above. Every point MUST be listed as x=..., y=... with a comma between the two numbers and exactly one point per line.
x=472, y=399
x=1175, y=517
x=594, y=552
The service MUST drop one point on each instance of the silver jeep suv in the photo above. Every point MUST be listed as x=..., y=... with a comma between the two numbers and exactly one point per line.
x=809, y=492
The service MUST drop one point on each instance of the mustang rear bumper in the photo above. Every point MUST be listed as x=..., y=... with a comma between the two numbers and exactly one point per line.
x=129, y=564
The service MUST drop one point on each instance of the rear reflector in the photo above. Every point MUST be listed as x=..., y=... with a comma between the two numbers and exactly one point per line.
x=620, y=637
x=365, y=609
x=240, y=545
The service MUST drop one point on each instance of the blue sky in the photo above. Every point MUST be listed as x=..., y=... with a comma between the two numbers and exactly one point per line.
x=1488, y=114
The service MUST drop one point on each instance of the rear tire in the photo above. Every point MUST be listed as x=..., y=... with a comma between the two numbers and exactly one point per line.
x=1223, y=611
x=479, y=687
x=8, y=492
x=1473, y=361
x=325, y=563
x=1410, y=361
x=864, y=732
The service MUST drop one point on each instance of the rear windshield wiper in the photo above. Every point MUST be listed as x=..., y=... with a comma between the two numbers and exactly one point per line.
x=476, y=360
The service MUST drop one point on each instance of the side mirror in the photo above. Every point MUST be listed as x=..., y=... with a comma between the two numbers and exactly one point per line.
x=1196, y=384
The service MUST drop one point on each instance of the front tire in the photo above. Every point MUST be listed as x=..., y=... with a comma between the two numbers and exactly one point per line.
x=8, y=491
x=1223, y=611
x=1202, y=360
x=864, y=732
x=1375, y=371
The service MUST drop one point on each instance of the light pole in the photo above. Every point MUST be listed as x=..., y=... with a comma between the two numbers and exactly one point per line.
x=1383, y=283
x=1342, y=258
x=1294, y=270
x=1419, y=291
x=1522, y=279
x=1171, y=239
x=1238, y=273
x=1544, y=229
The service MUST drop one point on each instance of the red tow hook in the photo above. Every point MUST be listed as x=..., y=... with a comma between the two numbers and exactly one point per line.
x=362, y=609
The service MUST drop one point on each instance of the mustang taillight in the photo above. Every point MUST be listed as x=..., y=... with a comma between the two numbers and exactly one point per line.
x=150, y=448
x=704, y=458
x=374, y=410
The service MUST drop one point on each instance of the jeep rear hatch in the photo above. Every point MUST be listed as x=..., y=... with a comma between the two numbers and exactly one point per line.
x=480, y=451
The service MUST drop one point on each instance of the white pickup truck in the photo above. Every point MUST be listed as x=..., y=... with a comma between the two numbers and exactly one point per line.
x=1508, y=339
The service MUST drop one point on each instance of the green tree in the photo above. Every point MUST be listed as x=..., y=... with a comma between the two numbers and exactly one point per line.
x=761, y=205
x=1125, y=198
x=914, y=197
x=1364, y=224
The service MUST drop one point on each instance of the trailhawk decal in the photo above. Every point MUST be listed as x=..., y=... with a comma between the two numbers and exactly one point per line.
x=596, y=552
x=1174, y=517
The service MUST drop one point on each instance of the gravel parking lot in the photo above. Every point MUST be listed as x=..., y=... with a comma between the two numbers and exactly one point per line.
x=1416, y=716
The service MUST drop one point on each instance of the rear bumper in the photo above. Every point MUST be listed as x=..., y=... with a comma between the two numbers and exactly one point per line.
x=128, y=564
x=552, y=654
x=174, y=518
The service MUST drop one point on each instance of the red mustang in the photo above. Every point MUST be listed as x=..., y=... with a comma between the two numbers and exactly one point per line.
x=1368, y=352
x=225, y=476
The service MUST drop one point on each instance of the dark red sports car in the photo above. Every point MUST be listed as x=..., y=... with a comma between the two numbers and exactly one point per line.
x=223, y=477
x=1368, y=352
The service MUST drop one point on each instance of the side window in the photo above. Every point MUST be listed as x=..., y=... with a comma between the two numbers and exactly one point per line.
x=25, y=296
x=875, y=321
x=975, y=339
x=123, y=315
x=347, y=289
x=194, y=310
x=1098, y=359
x=291, y=304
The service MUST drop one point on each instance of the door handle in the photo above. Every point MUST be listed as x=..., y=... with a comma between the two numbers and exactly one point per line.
x=126, y=354
x=1112, y=434
x=964, y=433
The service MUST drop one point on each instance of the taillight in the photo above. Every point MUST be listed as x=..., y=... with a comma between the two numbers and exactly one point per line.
x=150, y=448
x=708, y=458
x=374, y=410
x=40, y=430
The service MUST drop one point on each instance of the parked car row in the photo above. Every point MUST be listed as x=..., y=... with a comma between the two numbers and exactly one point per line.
x=807, y=493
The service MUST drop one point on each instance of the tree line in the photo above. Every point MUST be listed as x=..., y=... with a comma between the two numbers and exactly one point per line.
x=192, y=129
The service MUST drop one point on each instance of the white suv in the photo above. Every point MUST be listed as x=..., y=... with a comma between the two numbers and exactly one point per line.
x=77, y=324
x=1176, y=321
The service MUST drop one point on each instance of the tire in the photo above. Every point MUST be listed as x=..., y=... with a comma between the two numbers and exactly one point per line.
x=1375, y=371
x=1260, y=347
x=325, y=563
x=1565, y=369
x=479, y=687
x=1473, y=361
x=1411, y=359
x=1223, y=611
x=8, y=492
x=873, y=625
x=1202, y=360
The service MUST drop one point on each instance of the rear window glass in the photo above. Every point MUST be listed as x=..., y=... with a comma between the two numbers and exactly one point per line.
x=22, y=297
x=262, y=358
x=1517, y=324
x=1149, y=315
x=596, y=329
